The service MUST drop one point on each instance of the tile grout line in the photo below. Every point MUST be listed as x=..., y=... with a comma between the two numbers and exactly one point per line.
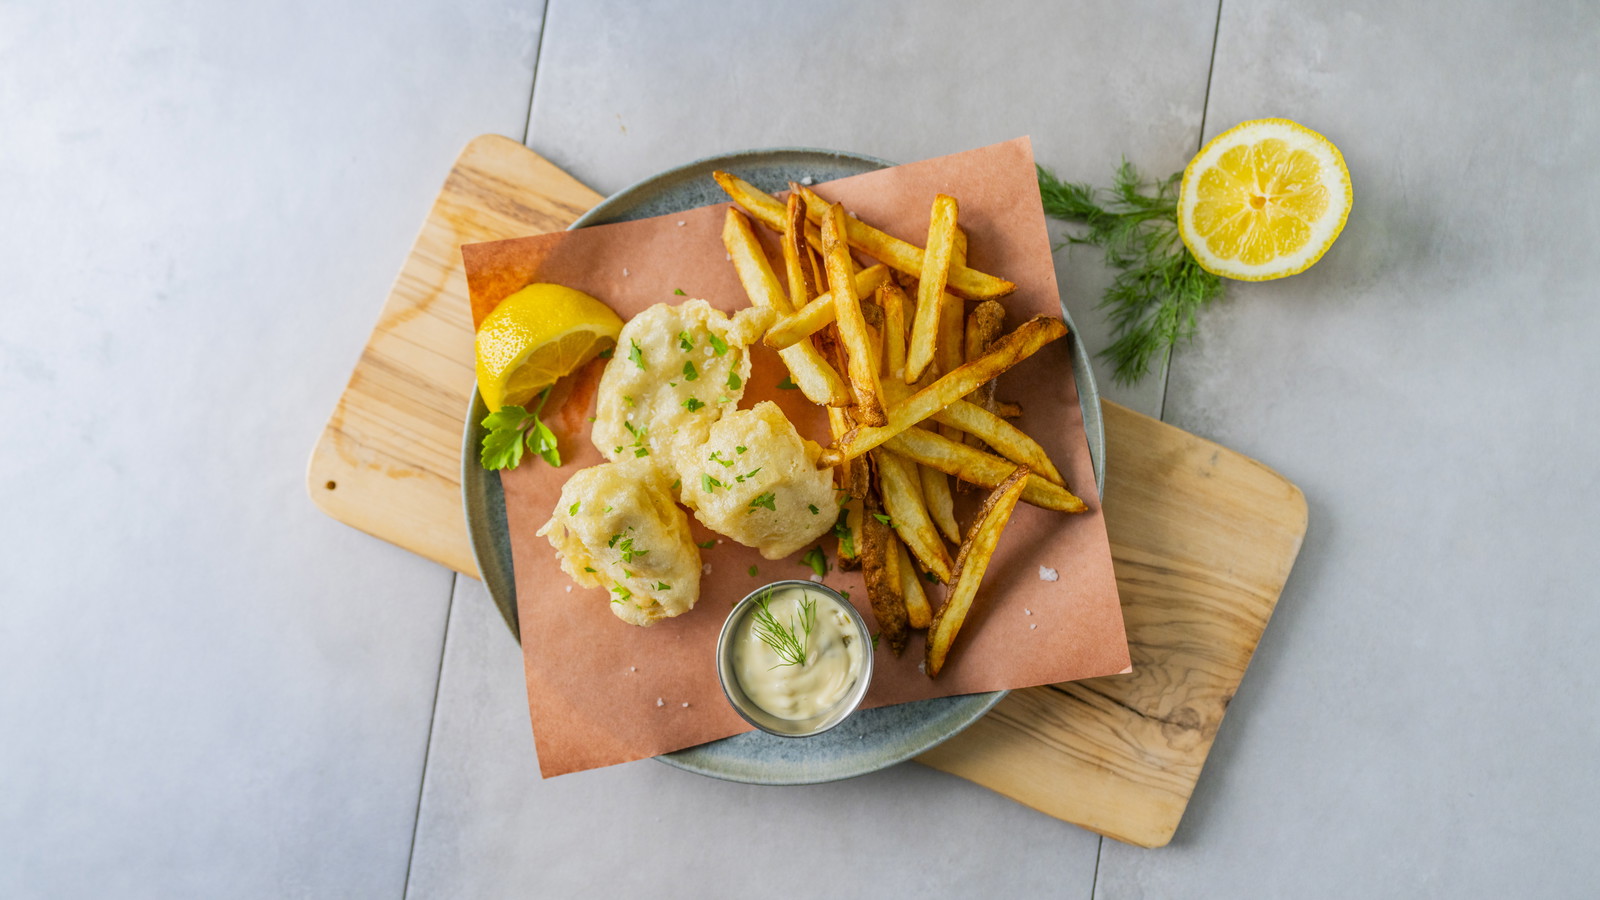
x=538, y=57
x=1094, y=881
x=427, y=748
x=1205, y=108
x=455, y=580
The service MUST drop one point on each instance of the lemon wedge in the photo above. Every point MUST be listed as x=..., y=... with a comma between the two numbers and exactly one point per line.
x=1265, y=199
x=536, y=336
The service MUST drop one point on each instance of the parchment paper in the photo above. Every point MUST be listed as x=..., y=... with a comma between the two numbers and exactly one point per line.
x=601, y=691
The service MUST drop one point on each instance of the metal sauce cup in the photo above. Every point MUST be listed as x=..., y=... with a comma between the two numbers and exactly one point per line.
x=760, y=718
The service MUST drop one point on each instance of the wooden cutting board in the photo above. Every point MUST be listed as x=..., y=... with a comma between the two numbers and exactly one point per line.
x=1202, y=538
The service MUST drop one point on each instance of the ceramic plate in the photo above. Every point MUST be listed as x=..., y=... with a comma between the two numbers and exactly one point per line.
x=871, y=739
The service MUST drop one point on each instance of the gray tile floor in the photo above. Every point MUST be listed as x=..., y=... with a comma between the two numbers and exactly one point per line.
x=207, y=688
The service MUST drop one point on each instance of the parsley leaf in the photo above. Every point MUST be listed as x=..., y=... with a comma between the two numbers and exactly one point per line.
x=707, y=545
x=734, y=381
x=708, y=483
x=636, y=355
x=813, y=508
x=766, y=501
x=607, y=353
x=663, y=586
x=718, y=345
x=754, y=571
x=679, y=292
x=685, y=342
x=817, y=560
x=693, y=405
x=787, y=384
x=690, y=373
x=884, y=519
x=513, y=429
x=573, y=509
x=841, y=530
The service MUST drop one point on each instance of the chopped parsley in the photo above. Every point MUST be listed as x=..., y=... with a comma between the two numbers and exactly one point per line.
x=817, y=560
x=707, y=545
x=884, y=519
x=716, y=457
x=685, y=342
x=693, y=404
x=622, y=594
x=749, y=474
x=734, y=382
x=740, y=449
x=754, y=571
x=663, y=586
x=708, y=483
x=813, y=508
x=841, y=530
x=787, y=384
x=627, y=401
x=676, y=484
x=718, y=345
x=607, y=353
x=573, y=509
x=679, y=292
x=636, y=355
x=690, y=373
x=765, y=501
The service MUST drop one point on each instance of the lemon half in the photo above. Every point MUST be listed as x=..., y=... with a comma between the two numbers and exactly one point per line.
x=1265, y=199
x=537, y=335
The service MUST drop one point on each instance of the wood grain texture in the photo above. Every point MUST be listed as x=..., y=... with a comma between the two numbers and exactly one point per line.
x=389, y=460
x=1202, y=537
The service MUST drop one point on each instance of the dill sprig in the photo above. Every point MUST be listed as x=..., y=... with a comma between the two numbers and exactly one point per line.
x=1159, y=288
x=790, y=641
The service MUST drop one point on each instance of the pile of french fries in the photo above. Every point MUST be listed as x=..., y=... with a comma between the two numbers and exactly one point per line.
x=909, y=389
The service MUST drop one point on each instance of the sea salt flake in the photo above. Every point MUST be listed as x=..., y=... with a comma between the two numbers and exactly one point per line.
x=569, y=588
x=624, y=273
x=1027, y=612
x=686, y=706
x=1048, y=574
x=923, y=667
x=808, y=181
x=659, y=702
x=705, y=569
x=680, y=225
x=1033, y=626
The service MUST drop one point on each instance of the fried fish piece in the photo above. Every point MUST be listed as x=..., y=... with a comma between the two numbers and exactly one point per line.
x=755, y=480
x=617, y=527
x=676, y=370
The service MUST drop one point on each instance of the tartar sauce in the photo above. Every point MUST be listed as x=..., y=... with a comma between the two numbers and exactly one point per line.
x=834, y=656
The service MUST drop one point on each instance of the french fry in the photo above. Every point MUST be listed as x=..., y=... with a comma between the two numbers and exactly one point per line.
x=887, y=249
x=816, y=379
x=893, y=301
x=762, y=206
x=902, y=498
x=925, y=327
x=844, y=527
x=1008, y=351
x=983, y=327
x=802, y=286
x=980, y=468
x=941, y=504
x=1007, y=410
x=948, y=353
x=820, y=313
x=883, y=585
x=862, y=366
x=918, y=612
x=1003, y=437
x=972, y=561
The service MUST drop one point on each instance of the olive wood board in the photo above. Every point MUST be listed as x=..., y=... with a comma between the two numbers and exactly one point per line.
x=1202, y=538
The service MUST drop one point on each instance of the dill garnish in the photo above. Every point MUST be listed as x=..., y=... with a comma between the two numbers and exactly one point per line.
x=790, y=642
x=1159, y=288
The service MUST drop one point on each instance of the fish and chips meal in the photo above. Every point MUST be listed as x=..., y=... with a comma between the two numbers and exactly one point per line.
x=902, y=346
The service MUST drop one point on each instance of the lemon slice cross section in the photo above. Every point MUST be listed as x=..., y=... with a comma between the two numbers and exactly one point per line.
x=536, y=336
x=1265, y=199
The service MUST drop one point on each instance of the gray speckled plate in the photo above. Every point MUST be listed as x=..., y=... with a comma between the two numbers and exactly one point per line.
x=871, y=739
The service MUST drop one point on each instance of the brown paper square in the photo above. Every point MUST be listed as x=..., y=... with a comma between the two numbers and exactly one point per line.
x=601, y=691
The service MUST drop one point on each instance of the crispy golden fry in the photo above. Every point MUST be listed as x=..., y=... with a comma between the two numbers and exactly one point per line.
x=1007, y=439
x=862, y=366
x=1008, y=351
x=839, y=423
x=1007, y=410
x=883, y=584
x=893, y=301
x=972, y=561
x=762, y=206
x=918, y=612
x=983, y=327
x=902, y=497
x=925, y=327
x=802, y=286
x=984, y=469
x=819, y=313
x=817, y=380
x=941, y=504
x=948, y=353
x=891, y=251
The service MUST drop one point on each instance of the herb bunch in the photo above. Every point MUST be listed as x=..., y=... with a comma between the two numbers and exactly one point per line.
x=1159, y=286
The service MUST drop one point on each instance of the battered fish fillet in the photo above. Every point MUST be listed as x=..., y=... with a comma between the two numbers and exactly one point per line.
x=676, y=370
x=755, y=479
x=617, y=527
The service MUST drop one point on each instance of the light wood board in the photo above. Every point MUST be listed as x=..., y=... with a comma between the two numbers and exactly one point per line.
x=1202, y=537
